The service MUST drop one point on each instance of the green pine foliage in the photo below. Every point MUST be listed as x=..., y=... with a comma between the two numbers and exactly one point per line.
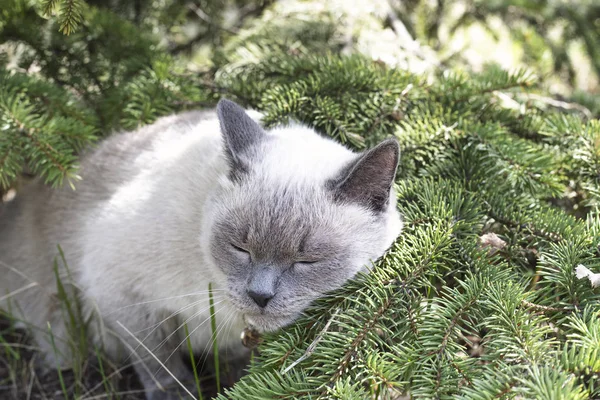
x=106, y=76
x=69, y=11
x=446, y=313
x=43, y=126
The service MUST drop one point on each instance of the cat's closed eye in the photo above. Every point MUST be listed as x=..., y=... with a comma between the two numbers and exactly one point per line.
x=304, y=264
x=242, y=251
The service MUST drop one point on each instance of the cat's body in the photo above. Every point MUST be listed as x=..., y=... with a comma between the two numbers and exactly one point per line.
x=273, y=220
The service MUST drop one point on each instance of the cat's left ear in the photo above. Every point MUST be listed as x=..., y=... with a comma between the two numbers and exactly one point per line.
x=368, y=180
x=240, y=133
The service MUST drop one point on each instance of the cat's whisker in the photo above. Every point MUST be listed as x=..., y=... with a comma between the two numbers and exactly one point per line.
x=166, y=298
x=116, y=372
x=16, y=271
x=215, y=334
x=186, y=307
x=133, y=352
x=185, y=322
x=43, y=288
x=220, y=325
x=157, y=360
x=228, y=332
x=195, y=329
x=172, y=333
x=182, y=309
x=17, y=291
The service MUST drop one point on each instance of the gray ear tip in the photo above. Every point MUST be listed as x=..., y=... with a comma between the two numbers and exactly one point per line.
x=392, y=145
x=226, y=105
x=392, y=142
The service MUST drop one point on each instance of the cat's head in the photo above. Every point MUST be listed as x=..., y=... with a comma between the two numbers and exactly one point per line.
x=297, y=217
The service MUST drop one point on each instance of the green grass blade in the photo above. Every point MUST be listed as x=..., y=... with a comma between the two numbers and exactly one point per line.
x=194, y=368
x=76, y=316
x=58, y=369
x=12, y=353
x=105, y=380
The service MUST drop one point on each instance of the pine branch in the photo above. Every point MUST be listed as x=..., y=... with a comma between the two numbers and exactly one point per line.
x=50, y=7
x=71, y=14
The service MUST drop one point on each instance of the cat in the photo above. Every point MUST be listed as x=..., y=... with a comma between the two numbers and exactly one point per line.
x=272, y=219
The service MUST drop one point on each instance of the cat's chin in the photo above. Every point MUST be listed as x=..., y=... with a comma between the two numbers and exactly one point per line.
x=267, y=323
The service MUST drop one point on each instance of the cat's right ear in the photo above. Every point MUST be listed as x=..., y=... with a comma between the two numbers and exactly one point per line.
x=368, y=180
x=240, y=133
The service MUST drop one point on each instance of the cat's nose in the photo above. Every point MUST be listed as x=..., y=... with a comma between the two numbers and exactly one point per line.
x=263, y=284
x=260, y=298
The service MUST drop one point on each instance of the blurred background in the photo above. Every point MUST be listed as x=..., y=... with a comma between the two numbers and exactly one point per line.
x=558, y=39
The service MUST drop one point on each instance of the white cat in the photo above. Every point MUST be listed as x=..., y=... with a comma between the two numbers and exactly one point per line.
x=273, y=219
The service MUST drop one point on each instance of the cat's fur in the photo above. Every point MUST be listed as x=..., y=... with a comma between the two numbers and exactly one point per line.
x=196, y=198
